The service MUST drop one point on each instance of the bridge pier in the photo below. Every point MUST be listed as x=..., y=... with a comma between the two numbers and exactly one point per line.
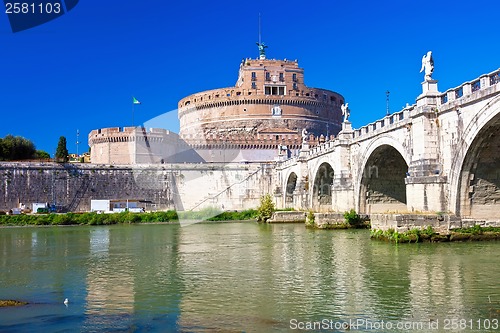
x=426, y=194
x=343, y=193
x=426, y=186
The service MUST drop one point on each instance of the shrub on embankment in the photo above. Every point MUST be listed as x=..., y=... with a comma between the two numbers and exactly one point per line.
x=346, y=220
x=428, y=234
x=169, y=216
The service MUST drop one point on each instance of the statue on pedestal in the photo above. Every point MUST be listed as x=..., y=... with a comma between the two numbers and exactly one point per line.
x=345, y=111
x=428, y=66
x=262, y=50
x=304, y=135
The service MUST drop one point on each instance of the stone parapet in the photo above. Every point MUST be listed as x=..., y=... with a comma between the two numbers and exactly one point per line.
x=405, y=222
x=288, y=217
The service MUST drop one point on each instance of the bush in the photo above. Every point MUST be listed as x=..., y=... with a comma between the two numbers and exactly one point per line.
x=310, y=219
x=352, y=218
x=62, y=219
x=266, y=208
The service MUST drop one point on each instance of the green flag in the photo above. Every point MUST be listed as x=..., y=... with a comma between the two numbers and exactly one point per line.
x=135, y=101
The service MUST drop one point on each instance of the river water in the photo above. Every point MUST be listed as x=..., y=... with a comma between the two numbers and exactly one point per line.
x=242, y=277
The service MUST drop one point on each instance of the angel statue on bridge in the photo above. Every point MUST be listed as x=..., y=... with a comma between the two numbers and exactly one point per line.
x=304, y=135
x=345, y=111
x=428, y=66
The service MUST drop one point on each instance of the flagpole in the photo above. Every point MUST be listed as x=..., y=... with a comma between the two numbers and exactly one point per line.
x=134, y=102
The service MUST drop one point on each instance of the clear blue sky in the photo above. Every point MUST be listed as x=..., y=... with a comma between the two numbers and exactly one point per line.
x=81, y=70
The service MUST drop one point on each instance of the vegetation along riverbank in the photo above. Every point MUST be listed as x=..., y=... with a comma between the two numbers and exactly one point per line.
x=475, y=233
x=170, y=216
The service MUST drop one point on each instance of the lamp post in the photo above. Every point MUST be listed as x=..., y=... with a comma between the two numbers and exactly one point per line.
x=387, y=102
x=77, y=142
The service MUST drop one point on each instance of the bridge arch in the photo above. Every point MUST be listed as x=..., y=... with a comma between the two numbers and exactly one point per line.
x=322, y=182
x=290, y=186
x=380, y=184
x=474, y=190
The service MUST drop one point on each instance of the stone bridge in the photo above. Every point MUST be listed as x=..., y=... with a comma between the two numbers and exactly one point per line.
x=441, y=154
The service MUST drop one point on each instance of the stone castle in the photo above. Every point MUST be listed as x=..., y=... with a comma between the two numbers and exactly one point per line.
x=262, y=116
x=438, y=155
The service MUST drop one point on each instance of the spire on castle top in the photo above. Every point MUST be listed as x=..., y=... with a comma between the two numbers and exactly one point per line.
x=262, y=46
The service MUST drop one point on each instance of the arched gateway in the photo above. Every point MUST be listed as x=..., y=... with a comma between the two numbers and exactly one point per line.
x=477, y=166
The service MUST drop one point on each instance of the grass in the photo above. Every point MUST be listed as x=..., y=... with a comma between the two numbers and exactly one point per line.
x=415, y=235
x=169, y=216
x=428, y=234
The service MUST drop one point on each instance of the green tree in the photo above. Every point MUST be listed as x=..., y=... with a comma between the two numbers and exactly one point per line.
x=42, y=154
x=266, y=208
x=62, y=151
x=16, y=148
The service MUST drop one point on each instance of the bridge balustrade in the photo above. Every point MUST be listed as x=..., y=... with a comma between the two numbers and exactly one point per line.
x=468, y=88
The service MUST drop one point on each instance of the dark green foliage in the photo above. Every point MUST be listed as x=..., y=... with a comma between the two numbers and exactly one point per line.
x=266, y=208
x=41, y=154
x=248, y=214
x=310, y=219
x=62, y=151
x=169, y=216
x=352, y=218
x=475, y=233
x=13, y=148
x=475, y=230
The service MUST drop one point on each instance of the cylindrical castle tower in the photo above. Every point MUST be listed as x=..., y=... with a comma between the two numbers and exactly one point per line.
x=270, y=105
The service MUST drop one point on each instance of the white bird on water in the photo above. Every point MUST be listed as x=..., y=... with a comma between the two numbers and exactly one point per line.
x=66, y=301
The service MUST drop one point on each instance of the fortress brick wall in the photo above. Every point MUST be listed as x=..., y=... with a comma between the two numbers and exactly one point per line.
x=167, y=186
x=138, y=145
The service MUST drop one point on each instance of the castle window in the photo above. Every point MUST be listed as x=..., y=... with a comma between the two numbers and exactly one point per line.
x=254, y=76
x=295, y=86
x=282, y=78
x=238, y=93
x=332, y=98
x=268, y=76
x=274, y=90
x=294, y=77
x=254, y=85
